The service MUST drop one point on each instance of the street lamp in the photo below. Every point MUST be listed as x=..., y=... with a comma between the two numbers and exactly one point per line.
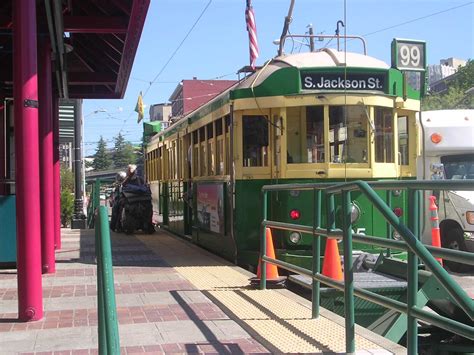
x=79, y=218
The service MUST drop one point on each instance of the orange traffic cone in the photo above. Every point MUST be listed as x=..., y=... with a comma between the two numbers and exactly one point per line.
x=271, y=270
x=435, y=234
x=332, y=261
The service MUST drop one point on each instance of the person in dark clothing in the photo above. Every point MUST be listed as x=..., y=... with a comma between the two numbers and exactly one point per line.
x=132, y=177
x=115, y=202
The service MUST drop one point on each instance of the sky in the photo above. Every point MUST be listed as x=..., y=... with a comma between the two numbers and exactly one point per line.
x=217, y=46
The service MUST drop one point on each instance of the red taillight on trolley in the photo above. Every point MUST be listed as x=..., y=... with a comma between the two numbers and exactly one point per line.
x=295, y=214
x=398, y=211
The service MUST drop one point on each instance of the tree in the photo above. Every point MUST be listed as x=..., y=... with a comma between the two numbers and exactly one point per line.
x=456, y=97
x=464, y=78
x=453, y=98
x=67, y=198
x=101, y=158
x=123, y=152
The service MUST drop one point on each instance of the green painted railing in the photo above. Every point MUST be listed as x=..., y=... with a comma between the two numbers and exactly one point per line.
x=411, y=243
x=109, y=343
x=94, y=202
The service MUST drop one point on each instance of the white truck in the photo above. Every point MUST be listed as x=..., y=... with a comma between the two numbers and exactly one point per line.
x=447, y=152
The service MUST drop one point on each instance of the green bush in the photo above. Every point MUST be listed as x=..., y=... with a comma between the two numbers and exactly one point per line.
x=67, y=207
x=67, y=196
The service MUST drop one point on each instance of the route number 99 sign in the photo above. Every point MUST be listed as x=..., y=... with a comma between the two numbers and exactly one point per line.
x=408, y=54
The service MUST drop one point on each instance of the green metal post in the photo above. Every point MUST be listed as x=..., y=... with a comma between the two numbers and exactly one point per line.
x=412, y=277
x=263, y=246
x=348, y=274
x=454, y=290
x=113, y=344
x=331, y=212
x=389, y=226
x=96, y=194
x=100, y=287
x=316, y=254
x=166, y=211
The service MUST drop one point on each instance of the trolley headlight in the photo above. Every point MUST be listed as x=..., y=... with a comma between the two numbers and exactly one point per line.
x=396, y=193
x=396, y=236
x=295, y=237
x=355, y=213
x=470, y=217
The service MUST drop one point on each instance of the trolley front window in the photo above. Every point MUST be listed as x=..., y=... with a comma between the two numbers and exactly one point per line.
x=255, y=141
x=305, y=135
x=348, y=139
x=383, y=135
x=403, y=134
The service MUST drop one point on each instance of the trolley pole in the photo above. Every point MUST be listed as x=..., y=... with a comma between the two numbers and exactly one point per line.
x=25, y=94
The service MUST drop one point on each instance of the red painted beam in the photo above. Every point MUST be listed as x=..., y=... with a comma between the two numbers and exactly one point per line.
x=3, y=151
x=76, y=78
x=135, y=27
x=95, y=24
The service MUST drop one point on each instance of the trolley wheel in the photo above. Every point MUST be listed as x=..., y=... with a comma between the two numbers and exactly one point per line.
x=453, y=238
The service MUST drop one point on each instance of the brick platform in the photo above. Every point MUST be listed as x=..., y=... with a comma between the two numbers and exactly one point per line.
x=159, y=311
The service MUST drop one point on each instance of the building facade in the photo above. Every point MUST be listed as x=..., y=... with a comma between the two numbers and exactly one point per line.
x=190, y=94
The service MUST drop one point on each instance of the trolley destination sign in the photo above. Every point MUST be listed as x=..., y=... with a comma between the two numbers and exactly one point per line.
x=342, y=81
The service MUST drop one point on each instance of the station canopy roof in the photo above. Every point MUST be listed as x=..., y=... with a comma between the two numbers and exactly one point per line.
x=93, y=41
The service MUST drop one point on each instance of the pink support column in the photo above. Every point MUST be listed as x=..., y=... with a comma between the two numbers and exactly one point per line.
x=56, y=175
x=46, y=157
x=25, y=94
x=3, y=142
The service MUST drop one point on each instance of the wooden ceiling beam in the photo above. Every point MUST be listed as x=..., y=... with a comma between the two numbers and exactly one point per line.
x=95, y=24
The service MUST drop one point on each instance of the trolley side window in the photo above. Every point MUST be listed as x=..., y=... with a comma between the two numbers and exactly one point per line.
x=195, y=153
x=219, y=148
x=211, y=163
x=255, y=141
x=228, y=164
x=305, y=134
x=403, y=142
x=202, y=152
x=348, y=141
x=383, y=135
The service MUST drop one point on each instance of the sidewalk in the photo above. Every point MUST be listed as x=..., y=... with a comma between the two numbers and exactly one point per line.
x=200, y=304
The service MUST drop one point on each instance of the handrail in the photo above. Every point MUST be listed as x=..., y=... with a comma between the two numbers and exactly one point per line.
x=94, y=202
x=109, y=342
x=411, y=244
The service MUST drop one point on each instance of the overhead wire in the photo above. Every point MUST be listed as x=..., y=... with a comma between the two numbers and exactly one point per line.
x=409, y=21
x=173, y=54
x=178, y=47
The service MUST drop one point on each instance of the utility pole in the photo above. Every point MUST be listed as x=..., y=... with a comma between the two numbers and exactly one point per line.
x=78, y=219
x=311, y=38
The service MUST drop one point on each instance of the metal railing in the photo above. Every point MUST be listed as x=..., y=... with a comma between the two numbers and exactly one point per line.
x=109, y=342
x=411, y=243
x=94, y=202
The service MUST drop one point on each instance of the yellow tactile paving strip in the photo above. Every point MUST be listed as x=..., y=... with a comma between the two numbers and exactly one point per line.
x=276, y=318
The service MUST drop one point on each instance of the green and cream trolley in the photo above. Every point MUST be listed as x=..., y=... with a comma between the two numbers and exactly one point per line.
x=324, y=116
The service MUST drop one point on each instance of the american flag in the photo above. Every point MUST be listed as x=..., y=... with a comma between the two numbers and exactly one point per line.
x=252, y=30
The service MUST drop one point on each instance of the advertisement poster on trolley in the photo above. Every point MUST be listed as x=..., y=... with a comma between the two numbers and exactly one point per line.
x=210, y=202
